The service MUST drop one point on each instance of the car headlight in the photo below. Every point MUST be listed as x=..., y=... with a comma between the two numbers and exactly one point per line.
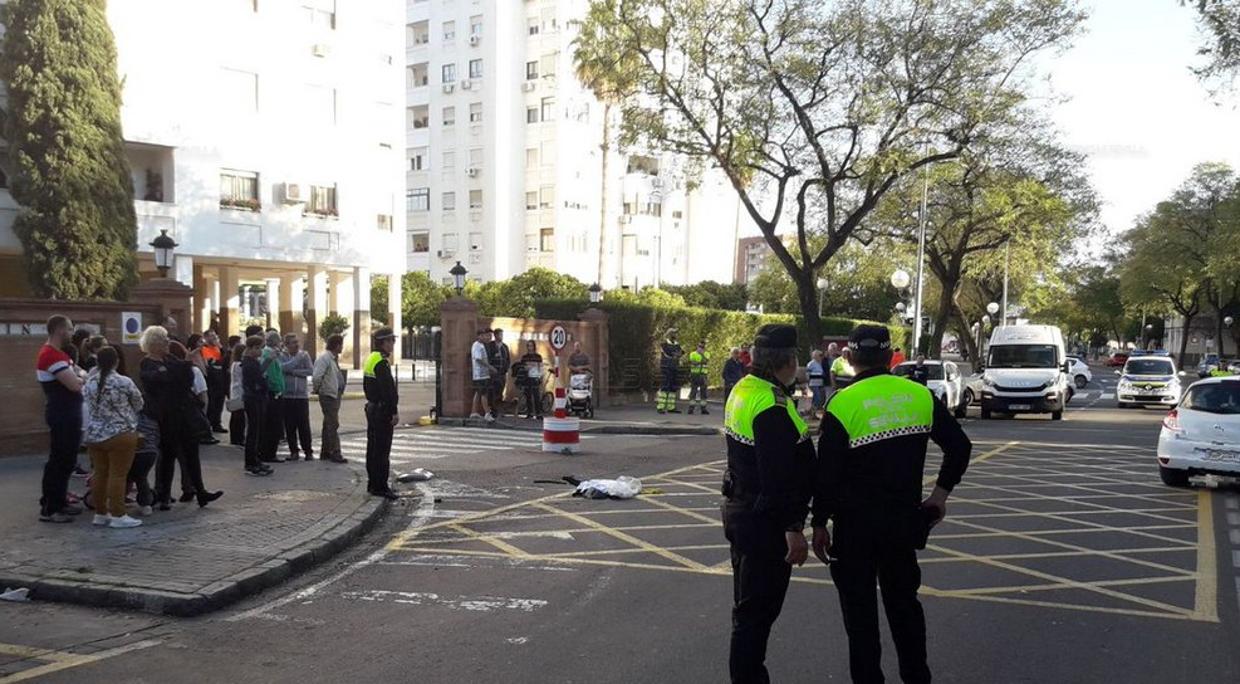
x=987, y=382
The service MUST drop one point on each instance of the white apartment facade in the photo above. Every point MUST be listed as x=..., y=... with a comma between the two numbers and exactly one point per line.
x=273, y=157
x=504, y=163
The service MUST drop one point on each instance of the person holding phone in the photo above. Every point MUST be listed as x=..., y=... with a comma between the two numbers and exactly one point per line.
x=871, y=457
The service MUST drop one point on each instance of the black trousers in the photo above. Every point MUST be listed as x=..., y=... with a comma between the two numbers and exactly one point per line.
x=297, y=425
x=65, y=428
x=177, y=443
x=236, y=428
x=533, y=402
x=217, y=389
x=272, y=428
x=379, y=431
x=862, y=553
x=253, y=417
x=759, y=582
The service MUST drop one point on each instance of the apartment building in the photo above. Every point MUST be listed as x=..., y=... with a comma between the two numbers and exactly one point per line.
x=504, y=163
x=265, y=137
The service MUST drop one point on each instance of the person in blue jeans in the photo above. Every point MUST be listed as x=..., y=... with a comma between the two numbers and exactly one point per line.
x=817, y=375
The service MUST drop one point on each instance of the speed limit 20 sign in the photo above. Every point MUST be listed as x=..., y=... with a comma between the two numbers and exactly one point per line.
x=559, y=337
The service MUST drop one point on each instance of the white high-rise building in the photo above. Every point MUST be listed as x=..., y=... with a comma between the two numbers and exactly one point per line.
x=504, y=161
x=264, y=137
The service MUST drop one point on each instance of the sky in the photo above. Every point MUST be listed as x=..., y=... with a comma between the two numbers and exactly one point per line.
x=1134, y=107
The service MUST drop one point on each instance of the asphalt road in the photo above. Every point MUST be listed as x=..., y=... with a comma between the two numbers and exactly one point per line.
x=1063, y=559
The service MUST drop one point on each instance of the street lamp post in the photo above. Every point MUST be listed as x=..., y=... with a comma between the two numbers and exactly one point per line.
x=164, y=247
x=822, y=289
x=596, y=294
x=1149, y=333
x=458, y=277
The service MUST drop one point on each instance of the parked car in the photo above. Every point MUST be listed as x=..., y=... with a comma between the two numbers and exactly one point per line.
x=1201, y=435
x=1117, y=360
x=1026, y=372
x=1209, y=362
x=1148, y=380
x=1233, y=366
x=944, y=380
x=1079, y=372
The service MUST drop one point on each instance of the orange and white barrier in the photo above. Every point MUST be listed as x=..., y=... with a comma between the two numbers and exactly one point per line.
x=561, y=402
x=561, y=435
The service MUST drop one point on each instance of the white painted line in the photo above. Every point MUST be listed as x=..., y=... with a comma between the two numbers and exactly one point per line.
x=482, y=604
x=1107, y=395
x=1235, y=559
x=426, y=506
x=1238, y=591
x=1233, y=503
x=1233, y=519
x=1235, y=537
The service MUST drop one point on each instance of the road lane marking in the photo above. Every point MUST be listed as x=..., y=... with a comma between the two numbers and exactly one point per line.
x=628, y=538
x=63, y=660
x=1207, y=572
x=479, y=604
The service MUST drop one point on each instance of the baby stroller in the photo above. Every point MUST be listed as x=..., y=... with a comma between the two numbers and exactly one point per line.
x=581, y=395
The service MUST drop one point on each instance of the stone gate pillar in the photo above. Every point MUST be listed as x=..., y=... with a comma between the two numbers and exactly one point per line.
x=459, y=324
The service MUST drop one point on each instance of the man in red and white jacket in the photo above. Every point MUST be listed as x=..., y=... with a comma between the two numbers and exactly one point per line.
x=62, y=389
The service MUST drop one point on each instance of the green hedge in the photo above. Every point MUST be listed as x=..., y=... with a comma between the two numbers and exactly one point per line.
x=636, y=330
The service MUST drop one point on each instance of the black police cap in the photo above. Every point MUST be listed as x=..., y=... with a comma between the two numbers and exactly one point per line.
x=383, y=334
x=776, y=336
x=870, y=337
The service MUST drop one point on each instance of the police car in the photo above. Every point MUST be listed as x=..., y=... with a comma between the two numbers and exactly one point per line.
x=1201, y=435
x=1148, y=380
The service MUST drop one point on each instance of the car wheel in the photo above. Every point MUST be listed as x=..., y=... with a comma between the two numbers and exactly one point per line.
x=1056, y=415
x=968, y=397
x=1080, y=382
x=985, y=414
x=1173, y=477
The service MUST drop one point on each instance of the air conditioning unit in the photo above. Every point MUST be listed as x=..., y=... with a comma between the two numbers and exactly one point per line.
x=320, y=49
x=291, y=193
x=448, y=87
x=466, y=85
x=475, y=39
x=445, y=253
x=472, y=172
x=529, y=86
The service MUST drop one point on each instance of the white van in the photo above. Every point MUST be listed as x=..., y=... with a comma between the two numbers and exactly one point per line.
x=1026, y=371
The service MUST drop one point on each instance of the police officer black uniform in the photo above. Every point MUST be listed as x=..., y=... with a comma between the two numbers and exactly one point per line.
x=381, y=412
x=767, y=488
x=871, y=457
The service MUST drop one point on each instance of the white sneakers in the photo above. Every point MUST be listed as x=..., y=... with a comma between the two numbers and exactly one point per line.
x=146, y=511
x=124, y=521
x=472, y=416
x=104, y=520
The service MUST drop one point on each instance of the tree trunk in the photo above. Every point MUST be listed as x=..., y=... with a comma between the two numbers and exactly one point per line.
x=605, y=149
x=966, y=334
x=1188, y=318
x=807, y=295
x=947, y=301
x=1218, y=336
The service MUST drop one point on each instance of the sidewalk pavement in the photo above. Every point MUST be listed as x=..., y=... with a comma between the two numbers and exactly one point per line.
x=636, y=418
x=186, y=561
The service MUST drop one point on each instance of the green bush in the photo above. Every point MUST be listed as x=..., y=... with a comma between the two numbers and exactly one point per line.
x=333, y=324
x=637, y=330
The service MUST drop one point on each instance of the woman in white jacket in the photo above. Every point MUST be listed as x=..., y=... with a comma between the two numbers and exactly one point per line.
x=111, y=437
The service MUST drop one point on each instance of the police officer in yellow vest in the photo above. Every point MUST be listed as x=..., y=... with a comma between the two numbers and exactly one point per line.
x=697, y=379
x=767, y=487
x=871, y=457
x=381, y=413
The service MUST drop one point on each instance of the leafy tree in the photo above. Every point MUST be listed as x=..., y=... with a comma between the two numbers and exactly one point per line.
x=815, y=110
x=857, y=279
x=712, y=295
x=1179, y=256
x=1220, y=24
x=66, y=154
x=1011, y=196
x=421, y=299
x=611, y=77
x=333, y=324
x=516, y=296
x=379, y=311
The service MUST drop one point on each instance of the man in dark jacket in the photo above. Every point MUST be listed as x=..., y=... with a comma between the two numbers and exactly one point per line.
x=669, y=372
x=733, y=371
x=871, y=457
x=381, y=412
x=767, y=486
x=501, y=358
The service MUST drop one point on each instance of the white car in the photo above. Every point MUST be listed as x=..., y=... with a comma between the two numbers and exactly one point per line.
x=1201, y=436
x=1148, y=380
x=944, y=379
x=1079, y=372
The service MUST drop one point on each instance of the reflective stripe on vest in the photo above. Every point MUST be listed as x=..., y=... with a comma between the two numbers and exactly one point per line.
x=368, y=368
x=697, y=363
x=882, y=407
x=750, y=397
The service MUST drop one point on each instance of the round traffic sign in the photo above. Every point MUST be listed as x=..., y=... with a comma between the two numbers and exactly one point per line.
x=559, y=337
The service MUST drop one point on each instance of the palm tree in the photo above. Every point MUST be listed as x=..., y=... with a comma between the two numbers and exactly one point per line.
x=611, y=75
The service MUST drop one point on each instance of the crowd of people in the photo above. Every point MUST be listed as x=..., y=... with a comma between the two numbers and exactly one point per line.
x=491, y=364
x=264, y=379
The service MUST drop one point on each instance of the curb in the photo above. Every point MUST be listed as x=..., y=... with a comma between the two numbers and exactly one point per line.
x=217, y=594
x=616, y=429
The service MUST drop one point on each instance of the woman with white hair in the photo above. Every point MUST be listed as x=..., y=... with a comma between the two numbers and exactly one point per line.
x=167, y=395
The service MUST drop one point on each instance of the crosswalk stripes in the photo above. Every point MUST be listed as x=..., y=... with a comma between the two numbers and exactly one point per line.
x=438, y=443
